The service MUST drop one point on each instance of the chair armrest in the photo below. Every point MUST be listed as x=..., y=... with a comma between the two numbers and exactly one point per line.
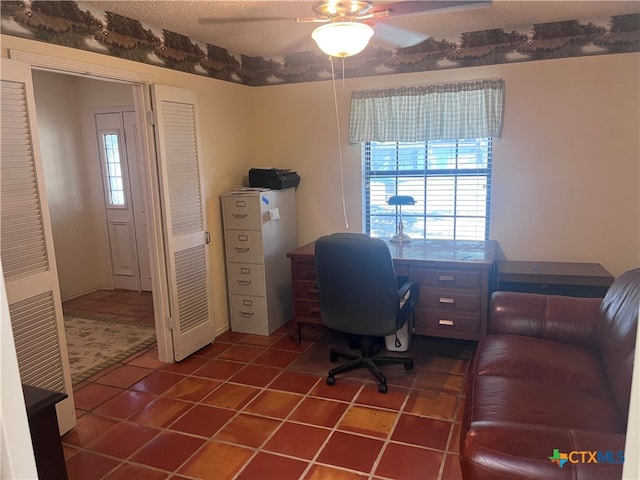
x=552, y=317
x=408, y=295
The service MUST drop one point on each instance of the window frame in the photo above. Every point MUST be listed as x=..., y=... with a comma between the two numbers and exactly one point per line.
x=110, y=192
x=398, y=173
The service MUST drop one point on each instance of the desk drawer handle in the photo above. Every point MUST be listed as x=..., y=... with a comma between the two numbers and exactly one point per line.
x=239, y=215
x=448, y=323
x=246, y=314
x=244, y=282
x=446, y=278
x=314, y=310
x=241, y=249
x=448, y=301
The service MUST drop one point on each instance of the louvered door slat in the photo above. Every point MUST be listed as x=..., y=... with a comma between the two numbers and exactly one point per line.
x=185, y=212
x=26, y=246
x=37, y=346
x=17, y=177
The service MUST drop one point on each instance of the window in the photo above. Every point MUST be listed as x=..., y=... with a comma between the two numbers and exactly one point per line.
x=450, y=181
x=113, y=170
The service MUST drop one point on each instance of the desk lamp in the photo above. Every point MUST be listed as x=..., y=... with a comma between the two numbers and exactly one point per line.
x=399, y=201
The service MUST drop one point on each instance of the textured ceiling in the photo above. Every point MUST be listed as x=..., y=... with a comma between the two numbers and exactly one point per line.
x=262, y=28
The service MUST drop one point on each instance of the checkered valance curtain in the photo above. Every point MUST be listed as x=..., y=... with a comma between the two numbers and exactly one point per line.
x=429, y=112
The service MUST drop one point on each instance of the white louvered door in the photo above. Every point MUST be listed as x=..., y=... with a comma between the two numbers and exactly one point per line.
x=26, y=245
x=183, y=205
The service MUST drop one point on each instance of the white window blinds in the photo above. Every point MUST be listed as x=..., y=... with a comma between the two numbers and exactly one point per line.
x=449, y=180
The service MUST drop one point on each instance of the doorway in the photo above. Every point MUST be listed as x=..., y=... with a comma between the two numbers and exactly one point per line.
x=125, y=202
x=98, y=294
x=179, y=258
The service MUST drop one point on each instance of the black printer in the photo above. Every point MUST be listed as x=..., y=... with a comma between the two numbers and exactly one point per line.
x=274, y=178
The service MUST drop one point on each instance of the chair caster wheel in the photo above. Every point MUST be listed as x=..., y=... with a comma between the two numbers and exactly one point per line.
x=409, y=365
x=382, y=387
x=331, y=380
x=333, y=358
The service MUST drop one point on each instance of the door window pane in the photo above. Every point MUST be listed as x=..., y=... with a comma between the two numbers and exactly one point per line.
x=115, y=184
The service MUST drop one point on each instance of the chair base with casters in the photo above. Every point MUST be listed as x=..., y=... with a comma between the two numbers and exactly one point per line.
x=367, y=359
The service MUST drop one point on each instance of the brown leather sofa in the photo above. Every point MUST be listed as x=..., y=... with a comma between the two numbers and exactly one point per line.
x=552, y=377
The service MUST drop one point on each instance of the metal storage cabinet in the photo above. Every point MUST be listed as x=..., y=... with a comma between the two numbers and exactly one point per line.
x=259, y=229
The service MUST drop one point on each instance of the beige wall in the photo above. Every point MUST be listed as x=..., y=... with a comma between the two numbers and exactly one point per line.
x=72, y=175
x=566, y=172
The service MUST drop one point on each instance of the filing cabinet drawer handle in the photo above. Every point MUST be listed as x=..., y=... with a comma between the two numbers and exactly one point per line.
x=241, y=249
x=246, y=314
x=313, y=290
x=448, y=301
x=448, y=323
x=446, y=278
x=314, y=310
x=239, y=215
x=244, y=282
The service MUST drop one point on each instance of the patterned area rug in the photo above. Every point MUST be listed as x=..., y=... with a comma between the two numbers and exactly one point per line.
x=95, y=343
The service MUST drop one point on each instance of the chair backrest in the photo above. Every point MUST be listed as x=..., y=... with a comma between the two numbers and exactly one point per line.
x=357, y=284
x=616, y=334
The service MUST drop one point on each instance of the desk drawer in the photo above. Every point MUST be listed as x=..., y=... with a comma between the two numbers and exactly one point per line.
x=308, y=310
x=306, y=291
x=244, y=246
x=448, y=278
x=445, y=322
x=449, y=300
x=305, y=271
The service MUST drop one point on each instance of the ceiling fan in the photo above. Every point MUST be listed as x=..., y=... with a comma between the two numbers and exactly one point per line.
x=328, y=11
x=349, y=24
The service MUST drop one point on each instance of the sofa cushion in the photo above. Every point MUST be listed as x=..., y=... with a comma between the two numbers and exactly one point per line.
x=569, y=320
x=512, y=400
x=541, y=361
x=511, y=451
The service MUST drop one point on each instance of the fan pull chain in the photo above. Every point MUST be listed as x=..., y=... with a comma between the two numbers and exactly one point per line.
x=335, y=98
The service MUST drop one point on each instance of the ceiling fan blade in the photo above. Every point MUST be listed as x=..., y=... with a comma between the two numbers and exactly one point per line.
x=409, y=7
x=396, y=36
x=311, y=20
x=223, y=21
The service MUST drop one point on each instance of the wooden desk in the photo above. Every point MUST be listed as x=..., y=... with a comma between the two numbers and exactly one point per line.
x=455, y=279
x=553, y=278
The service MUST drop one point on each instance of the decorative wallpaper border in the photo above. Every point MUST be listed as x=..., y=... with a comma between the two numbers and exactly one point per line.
x=64, y=23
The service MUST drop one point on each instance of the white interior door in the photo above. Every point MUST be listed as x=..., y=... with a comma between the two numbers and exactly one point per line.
x=115, y=172
x=126, y=212
x=138, y=198
x=26, y=245
x=184, y=215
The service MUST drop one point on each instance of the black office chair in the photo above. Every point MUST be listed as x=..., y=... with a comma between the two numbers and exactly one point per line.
x=361, y=295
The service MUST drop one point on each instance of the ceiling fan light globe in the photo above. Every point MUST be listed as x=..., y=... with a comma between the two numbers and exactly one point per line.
x=342, y=39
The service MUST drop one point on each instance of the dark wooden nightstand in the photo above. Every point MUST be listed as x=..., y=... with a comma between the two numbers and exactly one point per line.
x=45, y=436
x=553, y=278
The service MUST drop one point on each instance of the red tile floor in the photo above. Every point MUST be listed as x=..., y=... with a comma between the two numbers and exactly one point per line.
x=255, y=407
x=125, y=305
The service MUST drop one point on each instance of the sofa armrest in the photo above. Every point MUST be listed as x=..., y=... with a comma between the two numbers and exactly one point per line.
x=566, y=319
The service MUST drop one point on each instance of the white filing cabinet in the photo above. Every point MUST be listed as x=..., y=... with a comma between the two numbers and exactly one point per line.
x=259, y=230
